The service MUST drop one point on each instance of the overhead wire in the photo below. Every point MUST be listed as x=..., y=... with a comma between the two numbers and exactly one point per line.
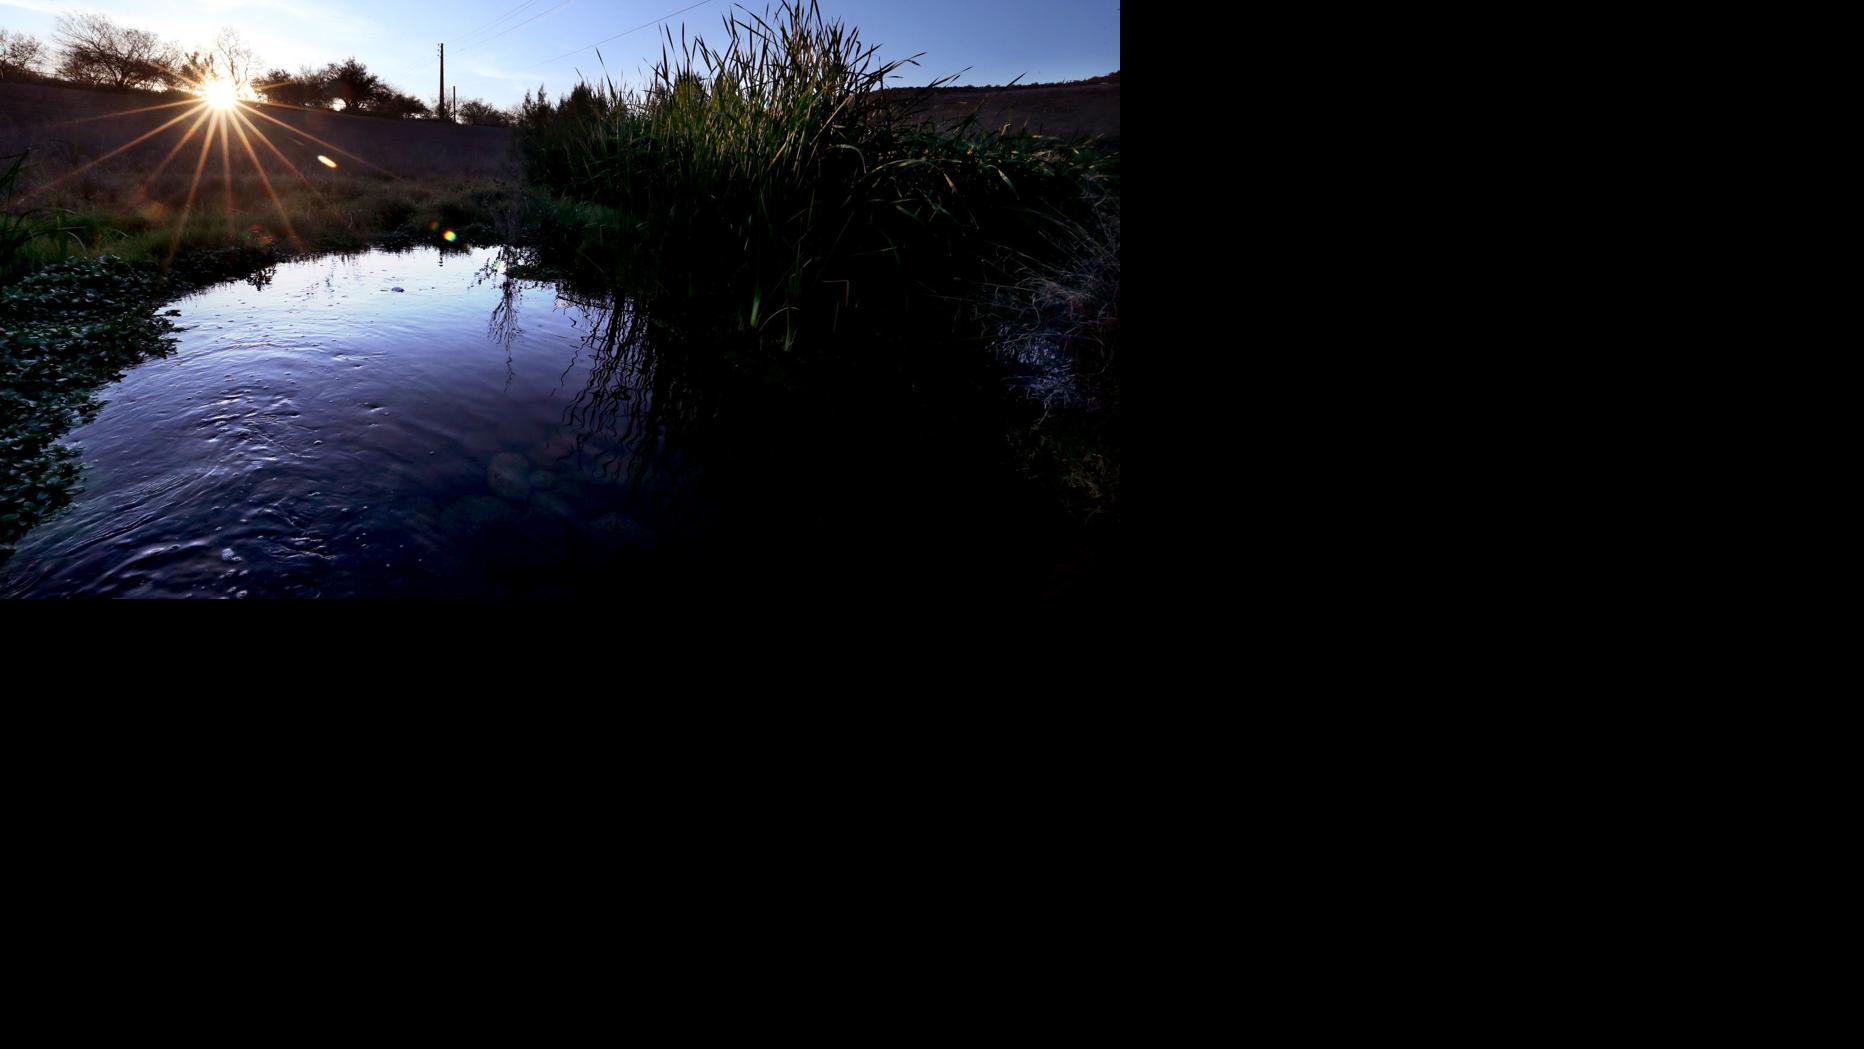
x=618, y=36
x=520, y=25
x=469, y=34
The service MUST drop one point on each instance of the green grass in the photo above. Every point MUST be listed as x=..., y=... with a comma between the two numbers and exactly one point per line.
x=123, y=218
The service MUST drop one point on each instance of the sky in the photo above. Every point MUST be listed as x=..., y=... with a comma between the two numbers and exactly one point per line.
x=499, y=49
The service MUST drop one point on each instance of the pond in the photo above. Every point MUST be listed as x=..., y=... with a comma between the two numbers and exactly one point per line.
x=417, y=425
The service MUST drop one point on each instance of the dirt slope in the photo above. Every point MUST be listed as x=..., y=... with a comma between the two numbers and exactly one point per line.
x=67, y=126
x=1060, y=110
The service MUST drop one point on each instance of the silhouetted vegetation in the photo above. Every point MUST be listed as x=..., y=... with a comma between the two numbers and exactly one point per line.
x=16, y=229
x=766, y=176
x=97, y=51
x=303, y=88
x=483, y=114
x=22, y=57
x=347, y=85
x=90, y=50
x=774, y=221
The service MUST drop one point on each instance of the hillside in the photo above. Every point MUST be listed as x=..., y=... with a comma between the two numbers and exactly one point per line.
x=68, y=126
x=1071, y=110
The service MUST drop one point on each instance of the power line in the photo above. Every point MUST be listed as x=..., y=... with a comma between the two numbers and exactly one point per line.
x=524, y=23
x=618, y=36
x=475, y=32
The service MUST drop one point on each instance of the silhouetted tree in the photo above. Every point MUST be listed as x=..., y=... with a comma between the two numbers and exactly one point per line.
x=351, y=83
x=303, y=88
x=229, y=60
x=393, y=104
x=96, y=50
x=580, y=104
x=478, y=111
x=233, y=59
x=190, y=70
x=22, y=57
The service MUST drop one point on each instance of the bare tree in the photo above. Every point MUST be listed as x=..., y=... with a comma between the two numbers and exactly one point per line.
x=229, y=60
x=98, y=51
x=233, y=59
x=22, y=57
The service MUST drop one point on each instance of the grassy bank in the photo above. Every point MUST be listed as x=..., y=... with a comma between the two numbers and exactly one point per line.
x=156, y=223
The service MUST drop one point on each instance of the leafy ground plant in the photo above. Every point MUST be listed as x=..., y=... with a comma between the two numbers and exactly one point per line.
x=64, y=331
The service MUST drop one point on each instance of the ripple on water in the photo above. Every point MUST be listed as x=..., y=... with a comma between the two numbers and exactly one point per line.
x=267, y=460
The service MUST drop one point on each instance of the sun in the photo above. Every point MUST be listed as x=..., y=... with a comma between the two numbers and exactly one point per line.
x=220, y=94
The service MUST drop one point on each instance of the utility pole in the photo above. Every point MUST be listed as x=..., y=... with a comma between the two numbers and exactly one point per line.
x=443, y=81
x=455, y=107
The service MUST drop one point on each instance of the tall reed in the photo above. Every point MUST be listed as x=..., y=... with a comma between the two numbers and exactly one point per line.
x=15, y=227
x=767, y=176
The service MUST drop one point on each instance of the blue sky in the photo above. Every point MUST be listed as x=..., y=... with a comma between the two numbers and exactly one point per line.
x=498, y=49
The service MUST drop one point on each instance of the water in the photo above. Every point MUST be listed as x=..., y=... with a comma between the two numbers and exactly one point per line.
x=384, y=425
x=352, y=428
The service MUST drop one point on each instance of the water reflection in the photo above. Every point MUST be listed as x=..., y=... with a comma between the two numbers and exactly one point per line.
x=635, y=405
x=345, y=427
x=379, y=426
x=878, y=470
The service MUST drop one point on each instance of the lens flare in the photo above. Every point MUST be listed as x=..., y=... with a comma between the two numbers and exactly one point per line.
x=220, y=94
x=450, y=236
x=216, y=113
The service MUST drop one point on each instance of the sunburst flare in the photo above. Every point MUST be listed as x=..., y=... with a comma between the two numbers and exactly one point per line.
x=220, y=94
x=223, y=112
